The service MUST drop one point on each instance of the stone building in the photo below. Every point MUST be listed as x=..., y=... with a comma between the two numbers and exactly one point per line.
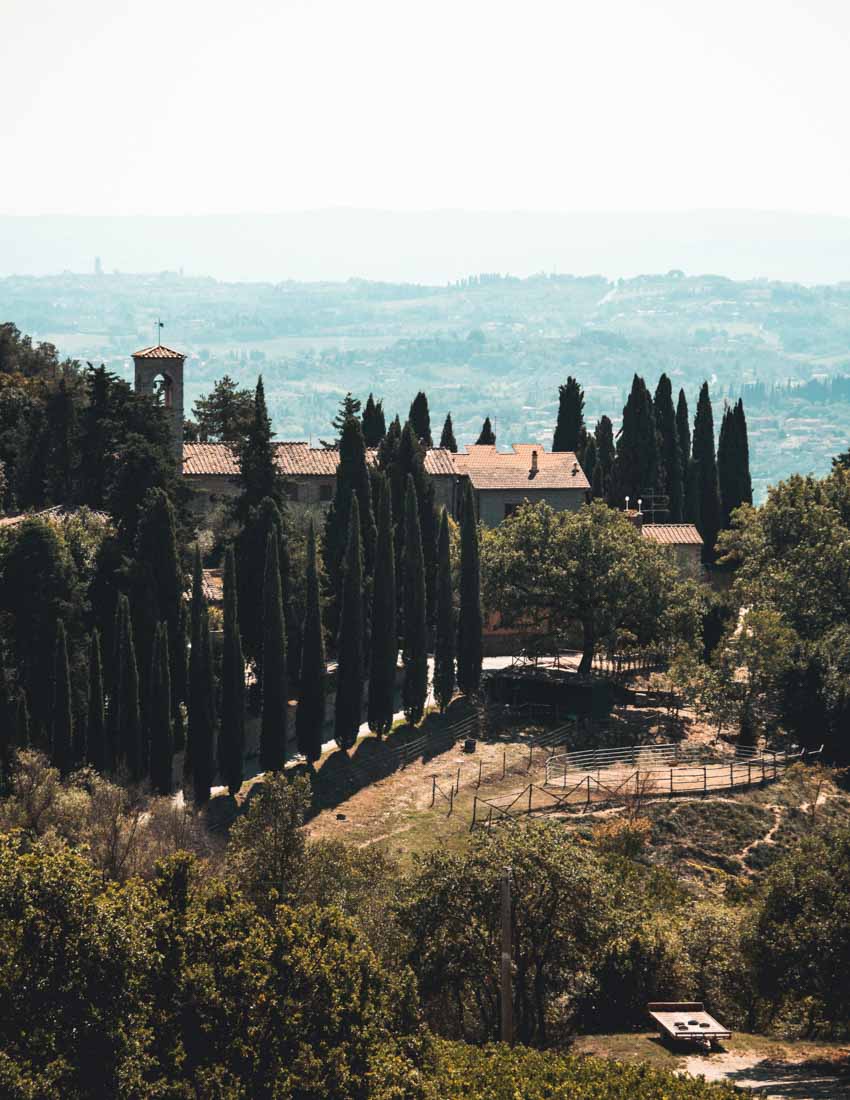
x=502, y=480
x=160, y=369
x=684, y=541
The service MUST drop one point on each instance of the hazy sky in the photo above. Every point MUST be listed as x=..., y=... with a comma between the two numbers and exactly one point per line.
x=199, y=106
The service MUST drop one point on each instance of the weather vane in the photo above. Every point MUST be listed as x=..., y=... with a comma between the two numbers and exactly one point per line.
x=160, y=325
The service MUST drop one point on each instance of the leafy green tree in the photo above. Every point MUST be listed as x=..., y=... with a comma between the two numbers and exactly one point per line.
x=225, y=414
x=384, y=650
x=636, y=465
x=259, y=476
x=231, y=741
x=274, y=691
x=350, y=662
x=96, y=736
x=486, y=435
x=200, y=741
x=310, y=715
x=444, y=651
x=706, y=466
x=470, y=617
x=420, y=420
x=447, y=438
x=373, y=422
x=591, y=568
x=415, y=649
x=570, y=433
x=670, y=454
x=160, y=726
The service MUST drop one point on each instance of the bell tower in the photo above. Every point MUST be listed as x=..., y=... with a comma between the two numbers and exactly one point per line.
x=159, y=370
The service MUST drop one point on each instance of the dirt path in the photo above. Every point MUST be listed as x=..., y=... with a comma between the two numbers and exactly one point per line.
x=768, y=838
x=773, y=1078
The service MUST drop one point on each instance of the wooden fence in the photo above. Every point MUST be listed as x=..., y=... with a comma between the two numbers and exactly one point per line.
x=580, y=792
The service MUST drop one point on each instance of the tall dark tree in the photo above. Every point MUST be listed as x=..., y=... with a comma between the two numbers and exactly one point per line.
x=471, y=620
x=570, y=433
x=487, y=435
x=231, y=738
x=706, y=460
x=692, y=511
x=61, y=439
x=350, y=659
x=444, y=650
x=131, y=751
x=384, y=651
x=683, y=430
x=310, y=715
x=373, y=422
x=159, y=720
x=200, y=741
x=349, y=408
x=589, y=461
x=7, y=726
x=274, y=690
x=96, y=745
x=22, y=721
x=447, y=439
x=420, y=420
x=259, y=476
x=636, y=465
x=224, y=415
x=603, y=433
x=352, y=480
x=672, y=478
x=180, y=673
x=415, y=649
x=746, y=483
x=733, y=462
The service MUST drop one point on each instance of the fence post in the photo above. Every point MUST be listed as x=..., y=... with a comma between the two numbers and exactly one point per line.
x=749, y=774
x=530, y=789
x=451, y=801
x=457, y=787
x=433, y=789
x=671, y=782
x=479, y=771
x=474, y=811
x=762, y=768
x=530, y=751
x=774, y=765
x=504, y=762
x=587, y=807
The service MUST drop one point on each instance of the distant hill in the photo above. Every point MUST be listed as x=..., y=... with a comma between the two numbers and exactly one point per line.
x=435, y=246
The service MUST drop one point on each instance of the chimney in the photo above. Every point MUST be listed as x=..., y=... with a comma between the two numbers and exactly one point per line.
x=533, y=463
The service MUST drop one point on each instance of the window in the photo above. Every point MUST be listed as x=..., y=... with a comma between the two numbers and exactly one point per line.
x=292, y=491
x=510, y=509
x=326, y=492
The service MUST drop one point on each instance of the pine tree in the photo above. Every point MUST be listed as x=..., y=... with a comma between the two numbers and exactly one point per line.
x=636, y=464
x=570, y=431
x=310, y=715
x=130, y=749
x=200, y=741
x=349, y=409
x=231, y=738
x=470, y=622
x=487, y=435
x=683, y=430
x=274, y=691
x=444, y=650
x=603, y=433
x=22, y=721
x=420, y=420
x=160, y=723
x=384, y=652
x=672, y=479
x=350, y=662
x=259, y=476
x=415, y=649
x=705, y=458
x=373, y=422
x=447, y=439
x=96, y=744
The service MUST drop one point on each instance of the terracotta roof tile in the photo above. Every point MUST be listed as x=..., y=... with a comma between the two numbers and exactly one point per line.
x=295, y=459
x=159, y=351
x=672, y=534
x=488, y=468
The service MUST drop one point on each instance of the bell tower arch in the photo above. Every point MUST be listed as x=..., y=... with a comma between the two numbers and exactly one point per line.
x=159, y=371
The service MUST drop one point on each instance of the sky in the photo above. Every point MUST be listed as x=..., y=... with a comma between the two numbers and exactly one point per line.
x=116, y=107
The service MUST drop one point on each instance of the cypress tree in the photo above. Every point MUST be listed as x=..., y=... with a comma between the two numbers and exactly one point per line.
x=251, y=550
x=706, y=460
x=692, y=500
x=415, y=649
x=487, y=435
x=274, y=691
x=636, y=464
x=231, y=740
x=258, y=472
x=7, y=726
x=384, y=652
x=672, y=480
x=22, y=721
x=447, y=439
x=683, y=429
x=96, y=744
x=180, y=675
x=444, y=650
x=420, y=420
x=603, y=433
x=589, y=462
x=570, y=431
x=745, y=485
x=350, y=662
x=373, y=422
x=597, y=486
x=310, y=715
x=733, y=462
x=130, y=747
x=198, y=764
x=470, y=622
x=160, y=726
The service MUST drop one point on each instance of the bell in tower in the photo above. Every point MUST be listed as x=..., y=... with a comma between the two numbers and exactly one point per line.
x=159, y=374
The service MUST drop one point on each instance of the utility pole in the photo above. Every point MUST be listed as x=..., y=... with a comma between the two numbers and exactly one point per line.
x=506, y=983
